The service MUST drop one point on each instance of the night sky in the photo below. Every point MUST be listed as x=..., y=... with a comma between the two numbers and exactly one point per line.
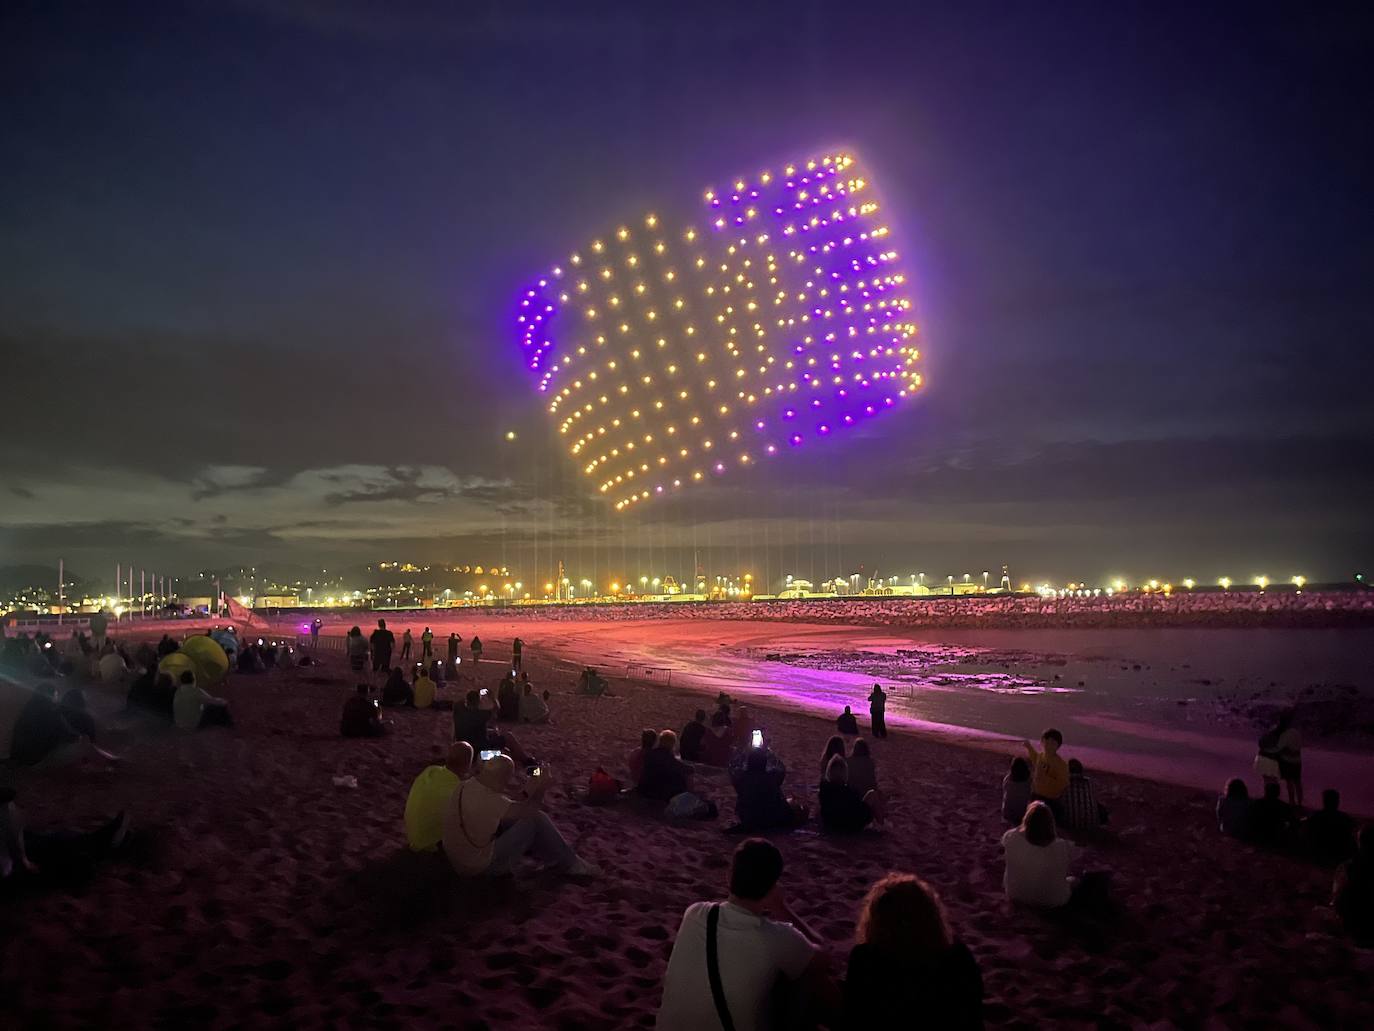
x=258, y=264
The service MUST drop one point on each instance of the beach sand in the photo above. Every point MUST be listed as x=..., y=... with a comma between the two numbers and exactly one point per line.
x=256, y=892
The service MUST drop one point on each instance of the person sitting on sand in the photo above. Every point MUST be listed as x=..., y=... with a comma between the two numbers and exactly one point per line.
x=1049, y=771
x=1352, y=893
x=718, y=744
x=429, y=795
x=396, y=691
x=730, y=958
x=1233, y=809
x=833, y=747
x=1329, y=834
x=193, y=707
x=436, y=671
x=742, y=727
x=153, y=692
x=508, y=699
x=863, y=770
x=1271, y=818
x=906, y=961
x=1016, y=790
x=423, y=691
x=759, y=802
x=362, y=716
x=843, y=810
x=846, y=723
x=1038, y=861
x=61, y=855
x=634, y=760
x=487, y=832
x=534, y=708
x=166, y=646
x=1082, y=811
x=471, y=723
x=664, y=774
x=692, y=736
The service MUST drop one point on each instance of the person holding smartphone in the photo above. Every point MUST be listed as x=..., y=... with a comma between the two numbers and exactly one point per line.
x=473, y=723
x=487, y=832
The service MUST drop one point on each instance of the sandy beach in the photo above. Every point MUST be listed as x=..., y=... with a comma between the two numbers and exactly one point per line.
x=257, y=892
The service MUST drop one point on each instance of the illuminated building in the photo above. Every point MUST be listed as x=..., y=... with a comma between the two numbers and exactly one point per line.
x=671, y=355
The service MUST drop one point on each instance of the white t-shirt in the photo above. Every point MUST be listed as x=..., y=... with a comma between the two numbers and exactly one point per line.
x=471, y=819
x=752, y=951
x=1036, y=875
x=186, y=706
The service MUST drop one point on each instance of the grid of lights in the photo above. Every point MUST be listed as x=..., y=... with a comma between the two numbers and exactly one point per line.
x=668, y=357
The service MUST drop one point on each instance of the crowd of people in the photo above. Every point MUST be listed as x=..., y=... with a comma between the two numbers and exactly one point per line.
x=484, y=810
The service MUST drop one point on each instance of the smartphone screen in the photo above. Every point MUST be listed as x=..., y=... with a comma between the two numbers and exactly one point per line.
x=484, y=692
x=487, y=756
x=758, y=739
x=537, y=771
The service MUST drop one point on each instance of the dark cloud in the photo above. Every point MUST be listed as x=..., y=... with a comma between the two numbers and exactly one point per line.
x=269, y=316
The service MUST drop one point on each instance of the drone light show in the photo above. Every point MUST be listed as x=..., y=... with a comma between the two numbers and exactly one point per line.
x=671, y=355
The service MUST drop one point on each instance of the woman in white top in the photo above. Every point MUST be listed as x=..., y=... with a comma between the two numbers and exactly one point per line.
x=1038, y=861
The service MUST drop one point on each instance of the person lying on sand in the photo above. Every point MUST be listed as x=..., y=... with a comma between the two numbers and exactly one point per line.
x=429, y=795
x=843, y=810
x=907, y=961
x=487, y=832
x=734, y=962
x=57, y=854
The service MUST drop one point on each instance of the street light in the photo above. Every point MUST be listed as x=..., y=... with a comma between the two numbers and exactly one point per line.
x=1188, y=582
x=1261, y=581
x=1225, y=583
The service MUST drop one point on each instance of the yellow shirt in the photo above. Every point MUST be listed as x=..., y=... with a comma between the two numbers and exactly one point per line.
x=425, y=806
x=424, y=693
x=1049, y=774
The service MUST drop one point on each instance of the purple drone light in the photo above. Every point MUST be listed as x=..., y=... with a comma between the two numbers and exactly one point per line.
x=656, y=348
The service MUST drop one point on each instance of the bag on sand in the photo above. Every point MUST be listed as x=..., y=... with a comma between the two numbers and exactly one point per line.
x=689, y=806
x=602, y=788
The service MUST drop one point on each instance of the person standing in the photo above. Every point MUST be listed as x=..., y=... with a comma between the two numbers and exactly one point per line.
x=877, y=709
x=454, y=642
x=516, y=647
x=1290, y=757
x=406, y=642
x=427, y=645
x=315, y=625
x=383, y=642
x=476, y=647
